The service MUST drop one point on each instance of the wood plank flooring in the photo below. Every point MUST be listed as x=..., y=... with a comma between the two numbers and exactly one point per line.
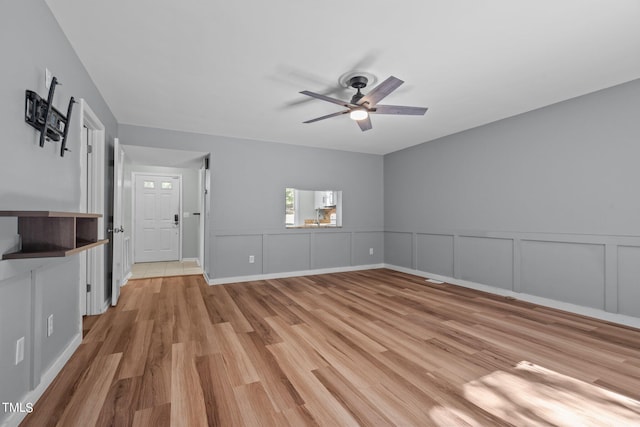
x=375, y=347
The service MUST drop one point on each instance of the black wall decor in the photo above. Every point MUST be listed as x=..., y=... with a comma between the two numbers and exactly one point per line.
x=42, y=115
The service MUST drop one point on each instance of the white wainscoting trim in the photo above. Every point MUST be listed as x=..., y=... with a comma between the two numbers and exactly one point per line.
x=285, y=274
x=45, y=381
x=572, y=308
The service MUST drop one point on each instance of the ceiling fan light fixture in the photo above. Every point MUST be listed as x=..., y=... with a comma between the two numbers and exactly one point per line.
x=358, y=114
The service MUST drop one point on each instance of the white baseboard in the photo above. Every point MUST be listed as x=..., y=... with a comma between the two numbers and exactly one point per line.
x=126, y=279
x=207, y=278
x=192, y=259
x=105, y=306
x=236, y=279
x=547, y=302
x=45, y=381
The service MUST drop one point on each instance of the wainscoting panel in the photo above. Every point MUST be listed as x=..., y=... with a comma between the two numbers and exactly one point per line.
x=293, y=251
x=287, y=252
x=570, y=272
x=600, y=272
x=231, y=255
x=15, y=323
x=435, y=253
x=398, y=249
x=362, y=242
x=331, y=249
x=486, y=260
x=39, y=288
x=629, y=280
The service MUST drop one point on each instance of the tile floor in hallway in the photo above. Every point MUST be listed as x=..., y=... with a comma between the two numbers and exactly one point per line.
x=162, y=269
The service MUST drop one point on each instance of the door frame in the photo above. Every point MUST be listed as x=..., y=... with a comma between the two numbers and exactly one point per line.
x=134, y=176
x=93, y=200
x=202, y=176
x=119, y=270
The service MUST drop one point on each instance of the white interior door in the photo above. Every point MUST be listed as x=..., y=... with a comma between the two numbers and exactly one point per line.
x=157, y=218
x=119, y=269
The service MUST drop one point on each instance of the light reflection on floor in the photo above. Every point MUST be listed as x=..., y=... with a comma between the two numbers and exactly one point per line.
x=531, y=395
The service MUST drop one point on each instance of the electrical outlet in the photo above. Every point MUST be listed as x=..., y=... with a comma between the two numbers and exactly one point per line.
x=252, y=259
x=47, y=78
x=20, y=350
x=50, y=325
x=370, y=251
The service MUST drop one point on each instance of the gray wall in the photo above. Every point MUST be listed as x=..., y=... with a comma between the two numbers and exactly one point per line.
x=190, y=203
x=543, y=203
x=246, y=215
x=37, y=178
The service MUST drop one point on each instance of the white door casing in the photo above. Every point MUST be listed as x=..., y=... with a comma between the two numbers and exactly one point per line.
x=117, y=233
x=85, y=303
x=157, y=218
x=92, y=197
x=201, y=208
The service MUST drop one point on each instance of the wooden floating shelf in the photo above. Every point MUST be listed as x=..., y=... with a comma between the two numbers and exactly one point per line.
x=54, y=234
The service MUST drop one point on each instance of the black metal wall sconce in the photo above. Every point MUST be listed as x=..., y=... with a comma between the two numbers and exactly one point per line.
x=43, y=116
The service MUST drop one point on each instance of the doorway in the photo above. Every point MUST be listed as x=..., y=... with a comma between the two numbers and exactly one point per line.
x=157, y=218
x=156, y=162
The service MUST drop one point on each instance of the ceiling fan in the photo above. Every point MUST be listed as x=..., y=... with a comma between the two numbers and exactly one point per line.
x=361, y=105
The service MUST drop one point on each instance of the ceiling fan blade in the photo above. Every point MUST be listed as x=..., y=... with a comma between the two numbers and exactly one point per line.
x=382, y=90
x=326, y=98
x=328, y=116
x=365, y=124
x=399, y=109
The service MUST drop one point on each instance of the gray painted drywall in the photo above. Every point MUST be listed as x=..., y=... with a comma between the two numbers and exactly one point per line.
x=231, y=255
x=248, y=179
x=566, y=168
x=15, y=322
x=486, y=260
x=542, y=203
x=569, y=272
x=435, y=254
x=38, y=178
x=365, y=242
x=190, y=203
x=334, y=247
x=398, y=249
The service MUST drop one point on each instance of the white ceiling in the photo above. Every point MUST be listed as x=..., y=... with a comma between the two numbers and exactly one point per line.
x=235, y=68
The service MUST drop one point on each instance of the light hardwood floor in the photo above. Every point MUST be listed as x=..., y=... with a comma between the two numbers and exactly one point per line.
x=375, y=347
x=146, y=270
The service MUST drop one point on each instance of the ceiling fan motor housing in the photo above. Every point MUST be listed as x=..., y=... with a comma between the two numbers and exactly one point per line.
x=358, y=82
